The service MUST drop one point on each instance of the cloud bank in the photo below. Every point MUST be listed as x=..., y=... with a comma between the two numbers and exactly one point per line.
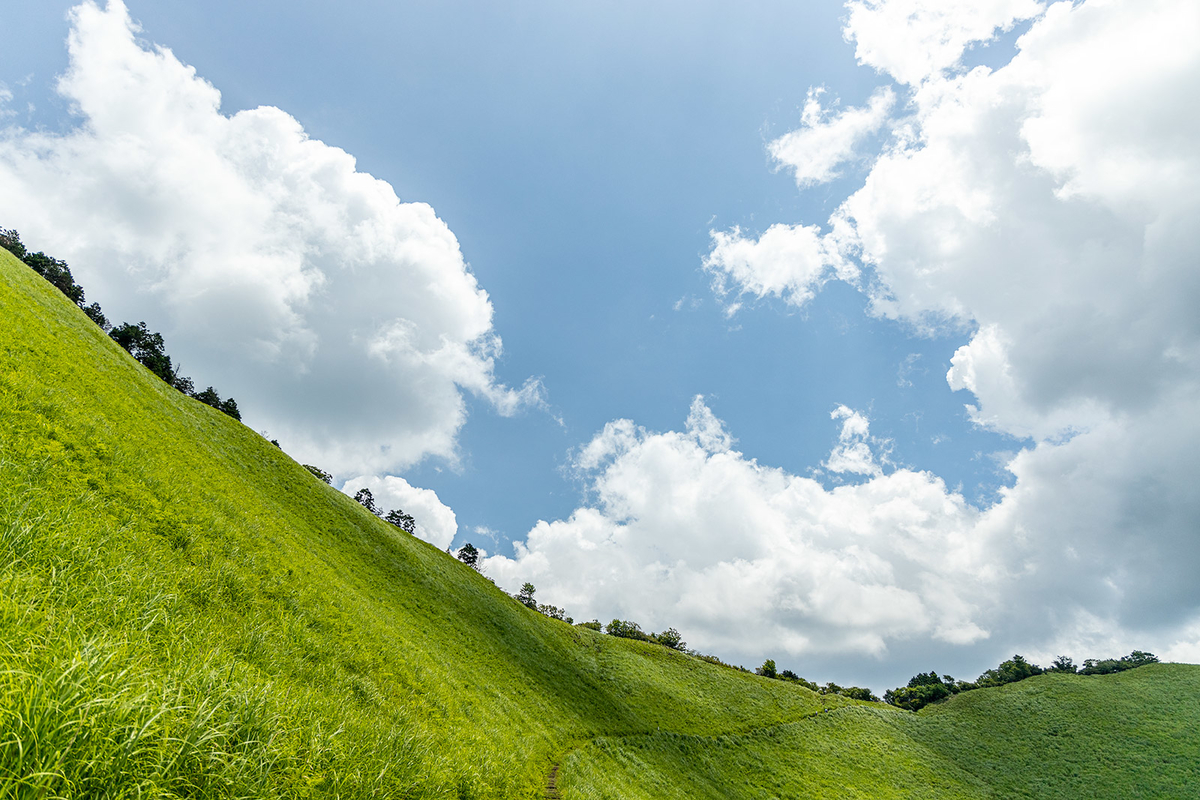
x=342, y=319
x=1048, y=207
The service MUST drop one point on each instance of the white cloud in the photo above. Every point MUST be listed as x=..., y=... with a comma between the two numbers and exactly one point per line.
x=343, y=320
x=687, y=532
x=788, y=261
x=434, y=521
x=853, y=452
x=823, y=142
x=1047, y=206
x=914, y=39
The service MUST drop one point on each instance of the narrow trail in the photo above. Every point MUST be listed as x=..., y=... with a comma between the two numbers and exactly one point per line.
x=552, y=783
x=552, y=777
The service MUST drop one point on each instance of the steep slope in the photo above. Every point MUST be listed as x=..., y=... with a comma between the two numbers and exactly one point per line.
x=187, y=611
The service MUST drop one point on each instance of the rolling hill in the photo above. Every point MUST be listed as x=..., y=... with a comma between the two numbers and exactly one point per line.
x=187, y=612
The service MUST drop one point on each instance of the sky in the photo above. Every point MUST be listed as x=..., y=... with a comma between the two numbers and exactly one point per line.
x=860, y=336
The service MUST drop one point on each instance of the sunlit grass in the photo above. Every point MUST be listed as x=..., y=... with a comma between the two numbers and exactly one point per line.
x=198, y=611
x=186, y=612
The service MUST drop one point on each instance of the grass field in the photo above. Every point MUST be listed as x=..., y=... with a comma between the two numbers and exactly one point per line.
x=1134, y=734
x=186, y=612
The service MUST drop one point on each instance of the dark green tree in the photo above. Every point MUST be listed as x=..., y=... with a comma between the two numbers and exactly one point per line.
x=469, y=555
x=230, y=408
x=147, y=347
x=670, y=638
x=367, y=500
x=404, y=522
x=626, y=630
x=525, y=596
x=767, y=670
x=97, y=316
x=1011, y=671
x=11, y=241
x=319, y=473
x=1063, y=664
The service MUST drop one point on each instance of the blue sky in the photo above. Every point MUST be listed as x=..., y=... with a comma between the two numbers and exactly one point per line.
x=582, y=155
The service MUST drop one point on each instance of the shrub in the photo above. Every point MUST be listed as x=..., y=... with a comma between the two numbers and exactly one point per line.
x=626, y=630
x=1108, y=666
x=594, y=625
x=669, y=638
x=319, y=473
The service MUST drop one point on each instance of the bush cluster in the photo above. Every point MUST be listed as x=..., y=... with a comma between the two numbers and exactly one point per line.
x=928, y=687
x=769, y=670
x=138, y=340
x=366, y=499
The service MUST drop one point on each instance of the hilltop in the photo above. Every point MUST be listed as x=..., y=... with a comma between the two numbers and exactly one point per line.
x=186, y=611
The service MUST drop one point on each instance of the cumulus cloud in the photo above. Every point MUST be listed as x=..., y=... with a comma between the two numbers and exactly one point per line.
x=342, y=319
x=788, y=261
x=685, y=531
x=823, y=142
x=853, y=452
x=914, y=39
x=1048, y=208
x=434, y=521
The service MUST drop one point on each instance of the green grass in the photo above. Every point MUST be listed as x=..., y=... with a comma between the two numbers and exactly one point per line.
x=1131, y=735
x=186, y=612
x=165, y=569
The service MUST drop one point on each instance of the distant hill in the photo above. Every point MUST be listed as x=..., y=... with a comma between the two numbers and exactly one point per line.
x=187, y=612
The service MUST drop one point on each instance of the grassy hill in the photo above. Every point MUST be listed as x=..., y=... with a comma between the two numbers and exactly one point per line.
x=186, y=612
x=1129, y=735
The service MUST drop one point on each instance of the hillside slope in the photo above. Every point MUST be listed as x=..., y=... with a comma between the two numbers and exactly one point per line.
x=185, y=602
x=1133, y=734
x=187, y=612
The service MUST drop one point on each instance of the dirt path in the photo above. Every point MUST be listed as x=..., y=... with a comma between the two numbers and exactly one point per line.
x=552, y=783
x=552, y=777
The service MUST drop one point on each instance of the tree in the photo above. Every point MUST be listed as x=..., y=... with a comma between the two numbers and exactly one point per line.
x=554, y=612
x=58, y=273
x=670, y=638
x=97, y=316
x=1011, y=671
x=1063, y=664
x=148, y=348
x=367, y=500
x=469, y=555
x=229, y=407
x=319, y=473
x=404, y=522
x=626, y=630
x=594, y=625
x=11, y=241
x=767, y=670
x=525, y=596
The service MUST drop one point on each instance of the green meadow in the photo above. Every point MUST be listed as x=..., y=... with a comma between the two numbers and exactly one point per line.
x=187, y=612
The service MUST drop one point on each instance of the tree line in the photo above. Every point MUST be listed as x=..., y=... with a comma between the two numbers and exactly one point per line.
x=366, y=499
x=929, y=687
x=138, y=340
